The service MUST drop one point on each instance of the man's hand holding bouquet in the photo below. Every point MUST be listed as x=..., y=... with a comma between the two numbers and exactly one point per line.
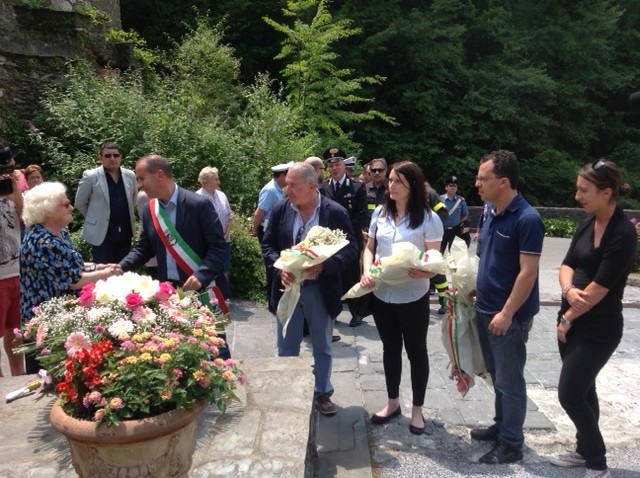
x=304, y=262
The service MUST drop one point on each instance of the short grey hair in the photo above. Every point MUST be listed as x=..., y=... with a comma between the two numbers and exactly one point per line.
x=41, y=201
x=315, y=162
x=306, y=171
x=207, y=173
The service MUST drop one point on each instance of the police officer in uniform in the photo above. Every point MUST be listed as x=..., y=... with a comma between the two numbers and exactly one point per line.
x=352, y=196
x=457, y=222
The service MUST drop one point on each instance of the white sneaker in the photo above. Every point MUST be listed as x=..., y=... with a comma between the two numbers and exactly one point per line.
x=568, y=460
x=597, y=474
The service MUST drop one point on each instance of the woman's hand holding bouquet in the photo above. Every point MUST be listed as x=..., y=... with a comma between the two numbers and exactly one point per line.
x=406, y=262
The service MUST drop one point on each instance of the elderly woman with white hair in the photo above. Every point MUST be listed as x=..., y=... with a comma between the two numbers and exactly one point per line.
x=210, y=182
x=49, y=265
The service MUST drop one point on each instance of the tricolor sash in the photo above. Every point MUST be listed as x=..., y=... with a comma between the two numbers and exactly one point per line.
x=186, y=258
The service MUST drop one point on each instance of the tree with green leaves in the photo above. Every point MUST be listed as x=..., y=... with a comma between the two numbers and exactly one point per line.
x=327, y=97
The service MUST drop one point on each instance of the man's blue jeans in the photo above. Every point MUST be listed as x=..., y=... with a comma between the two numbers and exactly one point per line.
x=311, y=309
x=505, y=357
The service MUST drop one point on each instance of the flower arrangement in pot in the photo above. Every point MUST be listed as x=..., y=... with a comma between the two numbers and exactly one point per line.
x=130, y=347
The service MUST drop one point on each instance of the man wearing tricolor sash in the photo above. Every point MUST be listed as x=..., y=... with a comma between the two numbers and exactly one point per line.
x=179, y=228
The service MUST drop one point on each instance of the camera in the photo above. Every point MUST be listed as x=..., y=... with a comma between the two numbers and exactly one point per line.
x=7, y=166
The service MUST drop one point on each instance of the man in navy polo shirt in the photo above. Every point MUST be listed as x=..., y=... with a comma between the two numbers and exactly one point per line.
x=507, y=298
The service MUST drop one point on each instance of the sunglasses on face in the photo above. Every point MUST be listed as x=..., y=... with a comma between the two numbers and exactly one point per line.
x=377, y=170
x=112, y=155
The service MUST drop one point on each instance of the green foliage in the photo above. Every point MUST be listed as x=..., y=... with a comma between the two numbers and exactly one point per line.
x=247, y=278
x=140, y=49
x=193, y=114
x=323, y=94
x=80, y=245
x=97, y=16
x=559, y=227
x=205, y=71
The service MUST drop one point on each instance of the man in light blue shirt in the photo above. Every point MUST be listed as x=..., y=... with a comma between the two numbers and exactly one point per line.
x=270, y=194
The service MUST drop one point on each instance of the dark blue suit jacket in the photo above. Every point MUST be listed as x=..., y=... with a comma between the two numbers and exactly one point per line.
x=198, y=224
x=279, y=236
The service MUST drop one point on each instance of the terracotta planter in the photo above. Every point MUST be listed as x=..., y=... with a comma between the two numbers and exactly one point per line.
x=158, y=447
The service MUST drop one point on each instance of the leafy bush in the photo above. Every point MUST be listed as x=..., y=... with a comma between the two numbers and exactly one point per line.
x=559, y=227
x=247, y=276
x=80, y=245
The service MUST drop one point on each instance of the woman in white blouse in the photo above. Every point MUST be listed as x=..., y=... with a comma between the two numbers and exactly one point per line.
x=401, y=312
x=210, y=182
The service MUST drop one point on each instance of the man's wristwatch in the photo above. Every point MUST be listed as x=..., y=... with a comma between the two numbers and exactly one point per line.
x=565, y=321
x=89, y=267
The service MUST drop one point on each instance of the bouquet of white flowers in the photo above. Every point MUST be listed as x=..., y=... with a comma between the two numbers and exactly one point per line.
x=459, y=333
x=320, y=244
x=394, y=269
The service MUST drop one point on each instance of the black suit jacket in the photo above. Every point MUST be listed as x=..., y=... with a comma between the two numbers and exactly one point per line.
x=198, y=224
x=352, y=195
x=279, y=236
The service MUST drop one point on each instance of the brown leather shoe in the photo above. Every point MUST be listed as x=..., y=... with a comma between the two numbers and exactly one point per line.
x=325, y=406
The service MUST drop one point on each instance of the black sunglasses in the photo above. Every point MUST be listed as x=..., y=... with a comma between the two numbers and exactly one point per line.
x=377, y=170
x=112, y=155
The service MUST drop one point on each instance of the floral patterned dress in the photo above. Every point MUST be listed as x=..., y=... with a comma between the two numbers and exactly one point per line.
x=48, y=266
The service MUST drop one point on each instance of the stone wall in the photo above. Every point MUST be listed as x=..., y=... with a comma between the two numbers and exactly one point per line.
x=575, y=214
x=36, y=41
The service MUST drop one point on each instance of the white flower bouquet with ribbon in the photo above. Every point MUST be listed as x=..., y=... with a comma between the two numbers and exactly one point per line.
x=320, y=244
x=394, y=269
x=459, y=333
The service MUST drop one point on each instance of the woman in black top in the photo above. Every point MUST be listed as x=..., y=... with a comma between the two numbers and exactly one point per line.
x=592, y=277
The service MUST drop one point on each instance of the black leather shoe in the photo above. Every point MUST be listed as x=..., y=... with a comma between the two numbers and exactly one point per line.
x=441, y=310
x=355, y=321
x=380, y=420
x=335, y=338
x=417, y=430
x=485, y=434
x=502, y=453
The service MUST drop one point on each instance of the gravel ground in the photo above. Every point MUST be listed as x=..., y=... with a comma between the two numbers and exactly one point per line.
x=435, y=455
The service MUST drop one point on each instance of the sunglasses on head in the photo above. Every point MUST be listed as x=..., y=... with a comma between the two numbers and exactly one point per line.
x=598, y=164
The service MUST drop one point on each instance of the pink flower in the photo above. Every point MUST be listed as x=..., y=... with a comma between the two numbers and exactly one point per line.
x=99, y=329
x=99, y=415
x=87, y=297
x=128, y=345
x=165, y=291
x=76, y=342
x=116, y=403
x=134, y=300
x=40, y=335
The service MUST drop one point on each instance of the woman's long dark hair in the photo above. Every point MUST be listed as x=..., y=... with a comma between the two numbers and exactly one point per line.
x=410, y=173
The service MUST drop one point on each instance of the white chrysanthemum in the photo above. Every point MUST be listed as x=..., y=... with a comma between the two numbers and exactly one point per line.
x=118, y=287
x=121, y=327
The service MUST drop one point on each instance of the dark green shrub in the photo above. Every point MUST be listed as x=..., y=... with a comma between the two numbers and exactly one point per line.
x=80, y=245
x=247, y=274
x=559, y=227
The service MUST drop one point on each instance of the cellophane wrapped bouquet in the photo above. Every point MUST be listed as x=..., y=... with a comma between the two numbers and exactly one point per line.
x=320, y=244
x=459, y=332
x=394, y=269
